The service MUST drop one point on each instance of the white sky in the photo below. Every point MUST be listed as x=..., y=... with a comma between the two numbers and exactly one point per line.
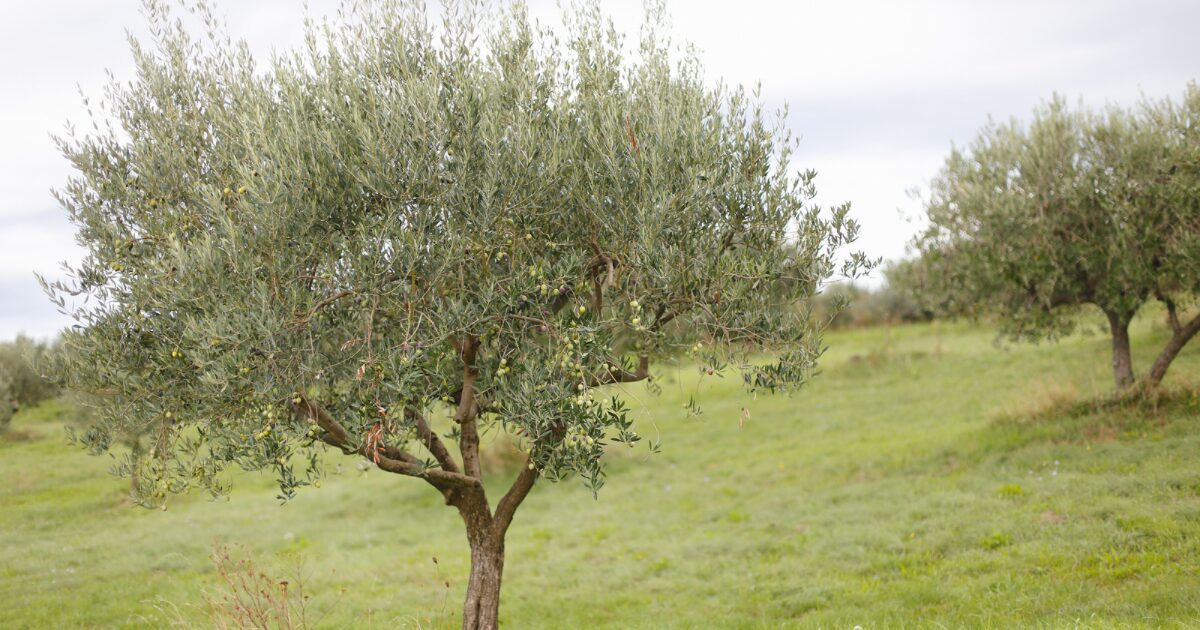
x=878, y=89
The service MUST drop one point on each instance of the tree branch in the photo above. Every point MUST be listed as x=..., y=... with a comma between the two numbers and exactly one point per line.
x=431, y=441
x=388, y=458
x=512, y=499
x=663, y=318
x=1178, y=340
x=597, y=300
x=1172, y=312
x=301, y=320
x=335, y=434
x=603, y=271
x=440, y=479
x=468, y=442
x=616, y=374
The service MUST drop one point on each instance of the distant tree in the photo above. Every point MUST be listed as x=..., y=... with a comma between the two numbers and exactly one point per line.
x=1033, y=221
x=483, y=220
x=21, y=382
x=8, y=404
x=850, y=305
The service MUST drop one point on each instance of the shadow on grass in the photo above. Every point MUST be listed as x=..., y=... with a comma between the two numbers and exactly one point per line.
x=19, y=435
x=1062, y=419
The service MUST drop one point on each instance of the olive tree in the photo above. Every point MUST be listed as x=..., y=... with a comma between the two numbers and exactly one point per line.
x=8, y=403
x=1031, y=222
x=21, y=382
x=478, y=223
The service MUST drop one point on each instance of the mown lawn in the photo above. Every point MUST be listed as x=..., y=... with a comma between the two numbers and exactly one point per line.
x=927, y=478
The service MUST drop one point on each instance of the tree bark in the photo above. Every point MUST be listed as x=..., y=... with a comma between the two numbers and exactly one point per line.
x=1122, y=359
x=135, y=451
x=1179, y=338
x=485, y=533
x=481, y=611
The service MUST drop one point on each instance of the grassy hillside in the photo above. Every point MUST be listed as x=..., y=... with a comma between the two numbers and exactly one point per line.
x=927, y=478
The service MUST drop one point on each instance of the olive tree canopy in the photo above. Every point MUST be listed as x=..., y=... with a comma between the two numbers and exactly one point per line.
x=1033, y=221
x=477, y=218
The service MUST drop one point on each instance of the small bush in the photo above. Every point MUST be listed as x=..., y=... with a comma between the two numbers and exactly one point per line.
x=1011, y=491
x=995, y=541
x=246, y=597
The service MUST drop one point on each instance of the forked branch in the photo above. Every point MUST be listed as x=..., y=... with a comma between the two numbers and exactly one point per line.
x=468, y=442
x=512, y=499
x=388, y=458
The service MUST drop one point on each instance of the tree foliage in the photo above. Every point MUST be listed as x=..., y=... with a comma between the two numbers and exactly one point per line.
x=1033, y=221
x=479, y=219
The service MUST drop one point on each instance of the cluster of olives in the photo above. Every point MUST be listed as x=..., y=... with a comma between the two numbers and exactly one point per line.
x=503, y=370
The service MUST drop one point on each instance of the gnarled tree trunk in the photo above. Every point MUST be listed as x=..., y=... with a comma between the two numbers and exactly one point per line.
x=481, y=611
x=1180, y=336
x=485, y=533
x=1122, y=359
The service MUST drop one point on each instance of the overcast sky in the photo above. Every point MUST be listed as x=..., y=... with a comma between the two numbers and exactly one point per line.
x=878, y=89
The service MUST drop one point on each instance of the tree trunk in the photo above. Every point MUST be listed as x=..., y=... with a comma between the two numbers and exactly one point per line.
x=481, y=611
x=1122, y=360
x=1179, y=338
x=135, y=452
x=482, y=608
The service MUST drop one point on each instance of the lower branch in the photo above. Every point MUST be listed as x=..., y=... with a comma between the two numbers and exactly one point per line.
x=512, y=499
x=1182, y=335
x=388, y=458
x=468, y=443
x=1172, y=313
x=616, y=374
x=431, y=441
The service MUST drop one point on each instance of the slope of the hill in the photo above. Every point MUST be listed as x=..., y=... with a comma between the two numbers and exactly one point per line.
x=926, y=478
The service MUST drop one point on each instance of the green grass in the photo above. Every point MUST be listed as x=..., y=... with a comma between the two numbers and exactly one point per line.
x=927, y=478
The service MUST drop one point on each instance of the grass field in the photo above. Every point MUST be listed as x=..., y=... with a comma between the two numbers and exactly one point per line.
x=927, y=478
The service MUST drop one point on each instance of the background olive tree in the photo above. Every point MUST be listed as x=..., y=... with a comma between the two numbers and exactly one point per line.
x=856, y=305
x=406, y=222
x=1033, y=221
x=21, y=382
